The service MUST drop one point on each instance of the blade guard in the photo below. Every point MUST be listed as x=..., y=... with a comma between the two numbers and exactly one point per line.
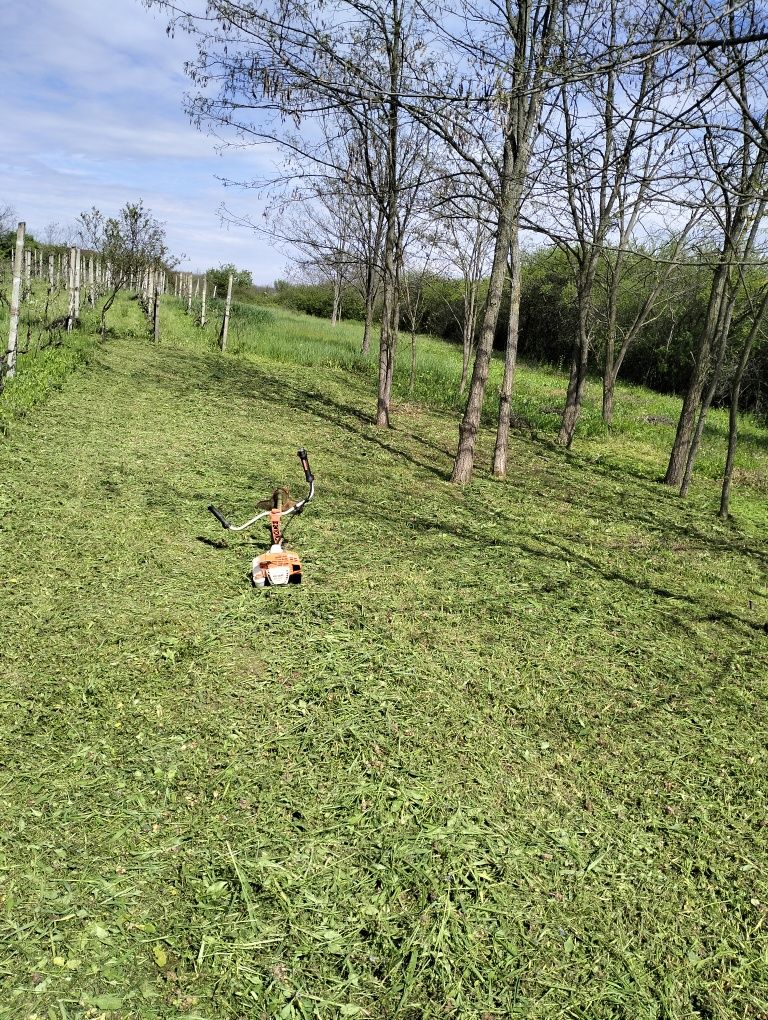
x=275, y=568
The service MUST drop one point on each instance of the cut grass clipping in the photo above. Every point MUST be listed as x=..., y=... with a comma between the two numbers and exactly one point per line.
x=501, y=755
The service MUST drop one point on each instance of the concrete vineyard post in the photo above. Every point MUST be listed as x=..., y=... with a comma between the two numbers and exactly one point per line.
x=51, y=275
x=189, y=293
x=203, y=297
x=77, y=284
x=27, y=275
x=225, y=323
x=71, y=288
x=156, y=313
x=10, y=361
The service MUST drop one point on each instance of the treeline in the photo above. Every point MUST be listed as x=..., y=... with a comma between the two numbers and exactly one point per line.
x=660, y=358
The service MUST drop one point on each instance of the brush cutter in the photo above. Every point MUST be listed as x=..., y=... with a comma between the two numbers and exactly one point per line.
x=276, y=566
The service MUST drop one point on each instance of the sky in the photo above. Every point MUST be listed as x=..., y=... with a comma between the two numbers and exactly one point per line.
x=92, y=115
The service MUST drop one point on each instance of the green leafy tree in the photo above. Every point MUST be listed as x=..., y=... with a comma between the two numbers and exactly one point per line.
x=242, y=281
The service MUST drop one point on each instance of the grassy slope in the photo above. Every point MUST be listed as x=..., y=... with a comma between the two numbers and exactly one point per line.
x=502, y=755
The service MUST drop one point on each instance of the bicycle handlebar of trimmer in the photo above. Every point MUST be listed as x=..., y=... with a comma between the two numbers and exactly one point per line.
x=295, y=509
x=220, y=517
x=302, y=455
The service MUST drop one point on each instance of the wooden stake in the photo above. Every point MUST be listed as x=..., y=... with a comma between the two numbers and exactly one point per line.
x=10, y=361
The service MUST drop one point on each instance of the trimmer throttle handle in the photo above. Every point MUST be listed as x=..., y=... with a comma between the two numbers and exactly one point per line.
x=219, y=517
x=302, y=455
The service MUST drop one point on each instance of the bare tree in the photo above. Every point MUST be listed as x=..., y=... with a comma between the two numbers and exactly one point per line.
x=734, y=158
x=464, y=237
x=7, y=218
x=610, y=162
x=758, y=316
x=129, y=244
x=487, y=109
x=263, y=65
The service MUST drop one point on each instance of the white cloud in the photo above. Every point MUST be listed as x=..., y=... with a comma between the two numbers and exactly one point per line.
x=96, y=117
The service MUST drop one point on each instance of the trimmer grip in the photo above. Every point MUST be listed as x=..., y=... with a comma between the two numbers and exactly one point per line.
x=302, y=455
x=219, y=517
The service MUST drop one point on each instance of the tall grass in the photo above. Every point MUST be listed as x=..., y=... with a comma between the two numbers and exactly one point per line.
x=642, y=429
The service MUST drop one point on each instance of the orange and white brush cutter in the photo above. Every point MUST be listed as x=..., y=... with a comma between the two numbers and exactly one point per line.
x=276, y=566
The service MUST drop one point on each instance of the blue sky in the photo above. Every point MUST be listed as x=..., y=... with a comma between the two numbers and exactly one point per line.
x=92, y=114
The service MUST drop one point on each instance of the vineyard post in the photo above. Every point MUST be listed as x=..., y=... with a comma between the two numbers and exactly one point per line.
x=10, y=361
x=51, y=275
x=189, y=294
x=27, y=274
x=225, y=323
x=156, y=313
x=71, y=287
x=204, y=295
x=77, y=284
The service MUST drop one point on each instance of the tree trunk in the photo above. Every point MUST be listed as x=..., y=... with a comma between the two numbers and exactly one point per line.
x=336, y=310
x=682, y=444
x=576, y=383
x=388, y=335
x=466, y=355
x=389, y=319
x=609, y=386
x=733, y=414
x=13, y=332
x=470, y=422
x=370, y=300
x=510, y=362
x=225, y=323
x=723, y=331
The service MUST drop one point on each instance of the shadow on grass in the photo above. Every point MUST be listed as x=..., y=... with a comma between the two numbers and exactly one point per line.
x=247, y=381
x=649, y=507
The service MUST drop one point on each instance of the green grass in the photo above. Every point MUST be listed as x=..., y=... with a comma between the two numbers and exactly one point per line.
x=47, y=354
x=502, y=754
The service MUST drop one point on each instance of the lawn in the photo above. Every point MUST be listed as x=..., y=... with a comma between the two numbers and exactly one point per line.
x=502, y=755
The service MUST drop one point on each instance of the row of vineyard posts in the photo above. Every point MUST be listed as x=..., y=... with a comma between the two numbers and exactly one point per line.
x=86, y=277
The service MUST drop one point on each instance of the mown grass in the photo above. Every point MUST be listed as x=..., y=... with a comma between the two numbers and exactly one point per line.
x=502, y=754
x=47, y=355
